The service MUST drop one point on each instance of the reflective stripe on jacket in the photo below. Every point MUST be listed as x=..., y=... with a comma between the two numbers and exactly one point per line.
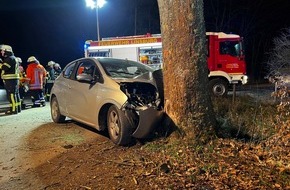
x=10, y=68
x=10, y=76
x=35, y=74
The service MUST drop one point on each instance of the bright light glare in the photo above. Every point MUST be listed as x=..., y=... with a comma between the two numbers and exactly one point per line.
x=101, y=3
x=95, y=4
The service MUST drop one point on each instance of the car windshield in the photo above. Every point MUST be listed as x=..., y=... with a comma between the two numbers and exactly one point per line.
x=118, y=68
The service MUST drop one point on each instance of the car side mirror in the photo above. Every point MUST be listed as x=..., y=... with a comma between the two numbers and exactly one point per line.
x=84, y=78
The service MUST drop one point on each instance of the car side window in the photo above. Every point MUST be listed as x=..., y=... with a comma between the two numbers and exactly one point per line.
x=86, y=67
x=68, y=71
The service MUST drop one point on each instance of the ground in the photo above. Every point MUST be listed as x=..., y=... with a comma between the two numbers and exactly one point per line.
x=36, y=153
x=39, y=154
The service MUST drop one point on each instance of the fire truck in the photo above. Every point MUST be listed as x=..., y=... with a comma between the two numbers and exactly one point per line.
x=225, y=58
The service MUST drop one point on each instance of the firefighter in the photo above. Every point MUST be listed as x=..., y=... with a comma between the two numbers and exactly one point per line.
x=57, y=69
x=51, y=77
x=144, y=59
x=23, y=86
x=10, y=76
x=36, y=76
x=50, y=70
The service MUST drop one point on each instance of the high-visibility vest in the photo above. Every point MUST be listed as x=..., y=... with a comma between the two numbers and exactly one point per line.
x=35, y=74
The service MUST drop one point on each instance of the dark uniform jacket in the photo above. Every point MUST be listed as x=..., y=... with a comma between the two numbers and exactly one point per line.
x=9, y=68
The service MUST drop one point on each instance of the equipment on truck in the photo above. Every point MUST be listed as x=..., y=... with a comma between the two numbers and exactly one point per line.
x=225, y=57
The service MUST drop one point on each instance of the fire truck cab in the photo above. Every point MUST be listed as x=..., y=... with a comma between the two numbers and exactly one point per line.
x=225, y=58
x=226, y=61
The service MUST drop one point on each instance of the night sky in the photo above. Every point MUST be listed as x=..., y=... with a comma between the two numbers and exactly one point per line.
x=57, y=29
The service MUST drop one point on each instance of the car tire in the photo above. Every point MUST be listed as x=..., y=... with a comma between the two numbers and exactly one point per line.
x=218, y=87
x=55, y=113
x=118, y=127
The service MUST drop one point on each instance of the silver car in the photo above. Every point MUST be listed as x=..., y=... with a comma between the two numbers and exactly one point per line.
x=3, y=98
x=4, y=103
x=121, y=96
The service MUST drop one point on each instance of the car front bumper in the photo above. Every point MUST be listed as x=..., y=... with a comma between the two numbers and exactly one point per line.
x=149, y=119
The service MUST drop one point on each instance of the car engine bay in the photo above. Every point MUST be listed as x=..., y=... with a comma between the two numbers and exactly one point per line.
x=140, y=95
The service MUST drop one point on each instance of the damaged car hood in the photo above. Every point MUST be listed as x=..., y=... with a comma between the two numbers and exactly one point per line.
x=154, y=78
x=145, y=98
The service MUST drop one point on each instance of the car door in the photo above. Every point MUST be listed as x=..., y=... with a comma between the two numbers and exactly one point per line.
x=61, y=87
x=4, y=103
x=83, y=98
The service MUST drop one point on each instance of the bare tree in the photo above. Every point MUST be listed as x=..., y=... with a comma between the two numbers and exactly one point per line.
x=279, y=60
x=187, y=98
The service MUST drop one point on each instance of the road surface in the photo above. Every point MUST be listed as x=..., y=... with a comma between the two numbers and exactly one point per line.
x=31, y=138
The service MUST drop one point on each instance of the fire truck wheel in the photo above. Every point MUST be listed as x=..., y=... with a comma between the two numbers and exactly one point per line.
x=118, y=126
x=55, y=113
x=218, y=87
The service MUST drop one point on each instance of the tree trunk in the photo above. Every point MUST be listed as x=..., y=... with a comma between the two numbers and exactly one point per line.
x=187, y=97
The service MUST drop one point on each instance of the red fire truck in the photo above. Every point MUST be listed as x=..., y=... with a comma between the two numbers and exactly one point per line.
x=225, y=58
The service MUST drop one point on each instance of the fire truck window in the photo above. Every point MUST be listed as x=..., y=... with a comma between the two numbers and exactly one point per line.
x=99, y=54
x=229, y=48
x=150, y=55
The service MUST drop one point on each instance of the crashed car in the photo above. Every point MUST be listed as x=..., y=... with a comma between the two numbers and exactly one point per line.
x=4, y=103
x=3, y=97
x=122, y=96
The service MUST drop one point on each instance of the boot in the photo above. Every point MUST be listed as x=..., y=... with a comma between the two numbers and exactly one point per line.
x=19, y=108
x=23, y=106
x=10, y=112
x=42, y=102
x=36, y=103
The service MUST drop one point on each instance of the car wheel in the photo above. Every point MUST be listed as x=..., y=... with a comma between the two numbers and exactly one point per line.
x=118, y=126
x=218, y=87
x=55, y=113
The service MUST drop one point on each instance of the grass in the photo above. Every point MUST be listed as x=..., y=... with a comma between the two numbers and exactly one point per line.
x=246, y=118
x=251, y=150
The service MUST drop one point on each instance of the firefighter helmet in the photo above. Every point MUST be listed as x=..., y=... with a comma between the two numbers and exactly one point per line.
x=19, y=60
x=32, y=59
x=56, y=65
x=50, y=63
x=144, y=58
x=6, y=48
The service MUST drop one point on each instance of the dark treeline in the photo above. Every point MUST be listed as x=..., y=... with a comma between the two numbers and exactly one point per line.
x=257, y=21
x=57, y=31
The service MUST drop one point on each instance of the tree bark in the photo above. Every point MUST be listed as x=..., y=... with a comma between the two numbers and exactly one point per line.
x=187, y=97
